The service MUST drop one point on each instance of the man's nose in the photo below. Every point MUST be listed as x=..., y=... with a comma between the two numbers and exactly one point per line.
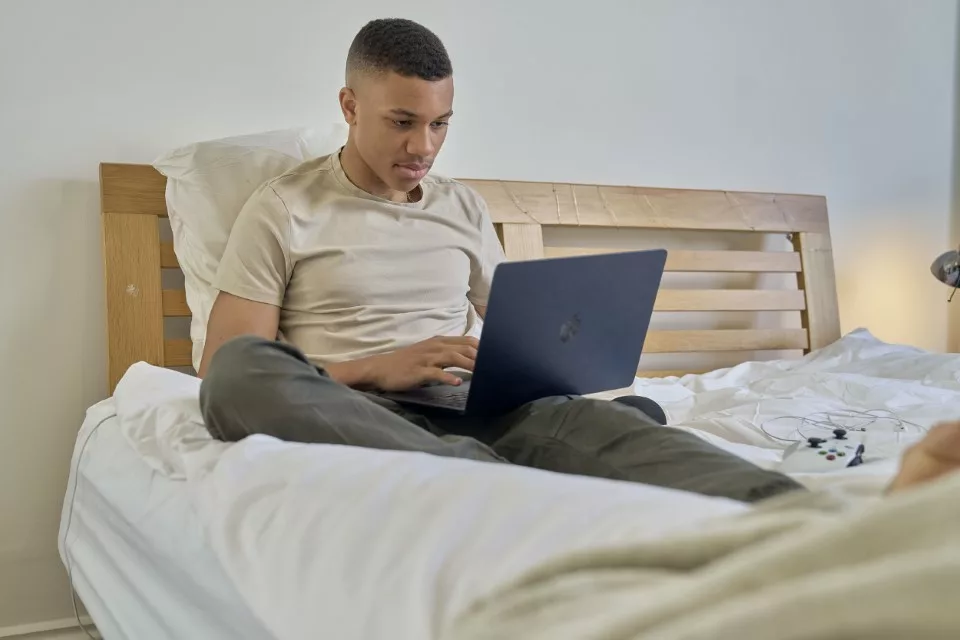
x=420, y=143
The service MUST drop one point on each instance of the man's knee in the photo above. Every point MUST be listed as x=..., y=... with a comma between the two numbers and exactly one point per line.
x=587, y=412
x=234, y=387
x=230, y=367
x=646, y=406
x=561, y=416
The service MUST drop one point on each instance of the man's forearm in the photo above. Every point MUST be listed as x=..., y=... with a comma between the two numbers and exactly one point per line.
x=355, y=373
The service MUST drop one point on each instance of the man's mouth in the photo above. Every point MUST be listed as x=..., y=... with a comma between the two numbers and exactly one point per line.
x=413, y=170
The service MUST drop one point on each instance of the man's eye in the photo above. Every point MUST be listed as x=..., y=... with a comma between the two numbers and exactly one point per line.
x=403, y=124
x=439, y=125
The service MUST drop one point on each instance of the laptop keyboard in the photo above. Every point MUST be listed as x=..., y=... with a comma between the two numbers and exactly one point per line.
x=450, y=399
x=442, y=396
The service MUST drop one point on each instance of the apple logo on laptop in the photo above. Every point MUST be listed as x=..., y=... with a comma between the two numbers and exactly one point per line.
x=570, y=328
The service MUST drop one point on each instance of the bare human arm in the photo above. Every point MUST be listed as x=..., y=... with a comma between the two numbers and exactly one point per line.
x=490, y=255
x=410, y=367
x=233, y=316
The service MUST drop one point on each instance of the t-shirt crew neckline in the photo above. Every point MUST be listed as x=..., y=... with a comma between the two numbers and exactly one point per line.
x=353, y=189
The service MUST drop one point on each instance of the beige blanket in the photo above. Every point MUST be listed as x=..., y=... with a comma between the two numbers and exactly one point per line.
x=806, y=566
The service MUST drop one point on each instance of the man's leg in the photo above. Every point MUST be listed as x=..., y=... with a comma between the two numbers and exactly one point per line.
x=646, y=405
x=612, y=440
x=260, y=386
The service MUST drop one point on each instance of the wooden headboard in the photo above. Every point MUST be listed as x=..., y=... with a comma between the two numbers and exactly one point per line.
x=133, y=204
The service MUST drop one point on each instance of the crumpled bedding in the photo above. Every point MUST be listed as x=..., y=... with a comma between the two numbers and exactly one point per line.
x=810, y=566
x=352, y=543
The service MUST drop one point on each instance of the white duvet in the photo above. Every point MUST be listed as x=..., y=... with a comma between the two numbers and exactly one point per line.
x=329, y=541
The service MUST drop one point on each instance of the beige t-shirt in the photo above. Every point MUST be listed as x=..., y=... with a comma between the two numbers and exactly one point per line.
x=355, y=275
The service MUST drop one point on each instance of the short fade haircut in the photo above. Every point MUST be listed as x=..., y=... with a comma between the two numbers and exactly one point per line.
x=399, y=46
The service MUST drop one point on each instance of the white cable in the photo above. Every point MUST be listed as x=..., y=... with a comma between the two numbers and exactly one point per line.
x=66, y=531
x=848, y=419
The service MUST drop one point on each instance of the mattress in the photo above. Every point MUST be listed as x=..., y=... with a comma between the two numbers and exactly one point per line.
x=172, y=534
x=133, y=544
x=169, y=534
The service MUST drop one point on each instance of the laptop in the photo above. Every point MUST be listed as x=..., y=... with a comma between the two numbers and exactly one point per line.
x=556, y=326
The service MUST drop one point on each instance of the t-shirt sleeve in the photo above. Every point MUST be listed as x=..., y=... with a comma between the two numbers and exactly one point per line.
x=490, y=254
x=256, y=263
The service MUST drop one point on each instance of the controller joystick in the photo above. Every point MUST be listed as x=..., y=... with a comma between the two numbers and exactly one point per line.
x=824, y=454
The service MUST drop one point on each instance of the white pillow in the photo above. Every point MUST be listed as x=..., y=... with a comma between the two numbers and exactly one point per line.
x=207, y=185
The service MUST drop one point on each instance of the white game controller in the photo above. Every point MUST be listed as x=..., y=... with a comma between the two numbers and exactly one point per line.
x=815, y=455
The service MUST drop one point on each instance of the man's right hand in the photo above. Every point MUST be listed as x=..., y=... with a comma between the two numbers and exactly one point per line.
x=410, y=367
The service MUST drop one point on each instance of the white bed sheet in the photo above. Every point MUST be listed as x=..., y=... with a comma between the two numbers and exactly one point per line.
x=135, y=547
x=353, y=543
x=902, y=386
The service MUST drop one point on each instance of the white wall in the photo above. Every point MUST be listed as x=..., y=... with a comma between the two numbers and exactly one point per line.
x=848, y=98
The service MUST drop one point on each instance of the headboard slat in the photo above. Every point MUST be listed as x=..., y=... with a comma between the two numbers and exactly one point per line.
x=708, y=340
x=132, y=188
x=131, y=249
x=642, y=207
x=168, y=257
x=667, y=373
x=730, y=300
x=818, y=282
x=687, y=261
x=521, y=241
x=178, y=353
x=175, y=303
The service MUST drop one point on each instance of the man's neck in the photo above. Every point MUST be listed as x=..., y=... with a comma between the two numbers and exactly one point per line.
x=360, y=174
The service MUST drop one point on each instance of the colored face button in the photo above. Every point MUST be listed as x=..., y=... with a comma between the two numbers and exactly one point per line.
x=831, y=457
x=823, y=453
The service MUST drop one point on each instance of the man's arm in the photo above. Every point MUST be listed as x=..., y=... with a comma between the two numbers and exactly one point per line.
x=233, y=316
x=252, y=275
x=489, y=255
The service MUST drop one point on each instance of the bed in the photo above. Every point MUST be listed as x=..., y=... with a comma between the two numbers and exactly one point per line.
x=169, y=534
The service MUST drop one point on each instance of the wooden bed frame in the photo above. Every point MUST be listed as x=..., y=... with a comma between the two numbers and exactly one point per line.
x=133, y=202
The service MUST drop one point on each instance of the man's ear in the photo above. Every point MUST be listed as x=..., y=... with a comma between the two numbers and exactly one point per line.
x=348, y=105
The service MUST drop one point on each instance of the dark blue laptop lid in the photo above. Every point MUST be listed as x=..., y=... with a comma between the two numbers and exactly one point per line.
x=562, y=326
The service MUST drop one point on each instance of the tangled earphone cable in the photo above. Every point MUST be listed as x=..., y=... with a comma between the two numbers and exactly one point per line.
x=848, y=419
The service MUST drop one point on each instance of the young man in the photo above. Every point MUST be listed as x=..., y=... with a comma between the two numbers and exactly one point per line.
x=373, y=274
